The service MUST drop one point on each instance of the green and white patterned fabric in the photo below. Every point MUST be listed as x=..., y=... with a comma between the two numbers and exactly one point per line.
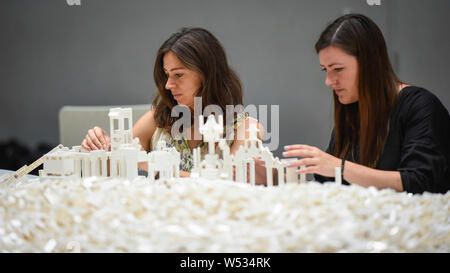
x=182, y=146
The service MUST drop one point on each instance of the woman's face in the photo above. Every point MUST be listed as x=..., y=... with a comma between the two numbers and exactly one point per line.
x=342, y=73
x=182, y=82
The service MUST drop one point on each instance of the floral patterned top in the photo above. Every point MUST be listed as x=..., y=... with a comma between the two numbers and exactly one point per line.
x=187, y=159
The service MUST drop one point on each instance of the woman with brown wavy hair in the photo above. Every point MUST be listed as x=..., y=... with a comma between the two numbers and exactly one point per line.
x=191, y=63
x=386, y=134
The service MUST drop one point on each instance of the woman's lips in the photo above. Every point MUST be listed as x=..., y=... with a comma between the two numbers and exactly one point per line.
x=338, y=90
x=176, y=96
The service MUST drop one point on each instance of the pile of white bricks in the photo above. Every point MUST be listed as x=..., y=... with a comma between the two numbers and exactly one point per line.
x=187, y=215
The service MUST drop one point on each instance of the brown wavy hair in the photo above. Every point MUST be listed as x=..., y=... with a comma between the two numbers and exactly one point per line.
x=198, y=50
x=365, y=122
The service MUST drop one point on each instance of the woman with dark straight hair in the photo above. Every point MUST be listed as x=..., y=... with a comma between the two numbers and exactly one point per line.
x=386, y=134
x=191, y=63
x=198, y=50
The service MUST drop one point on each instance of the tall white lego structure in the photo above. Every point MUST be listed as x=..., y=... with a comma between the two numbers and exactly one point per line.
x=120, y=124
x=210, y=167
x=125, y=151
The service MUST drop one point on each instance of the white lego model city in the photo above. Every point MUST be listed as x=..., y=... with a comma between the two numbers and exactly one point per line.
x=77, y=206
x=126, y=153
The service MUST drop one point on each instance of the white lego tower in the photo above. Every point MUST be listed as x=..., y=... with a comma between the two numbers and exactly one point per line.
x=125, y=151
x=121, y=125
x=212, y=131
x=227, y=162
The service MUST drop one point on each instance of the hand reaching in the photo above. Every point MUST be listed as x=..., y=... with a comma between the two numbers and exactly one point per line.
x=96, y=139
x=315, y=160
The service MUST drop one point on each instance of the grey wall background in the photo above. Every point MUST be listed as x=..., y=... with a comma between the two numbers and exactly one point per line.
x=102, y=53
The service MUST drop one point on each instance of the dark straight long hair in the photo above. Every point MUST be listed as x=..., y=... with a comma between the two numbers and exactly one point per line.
x=200, y=51
x=365, y=122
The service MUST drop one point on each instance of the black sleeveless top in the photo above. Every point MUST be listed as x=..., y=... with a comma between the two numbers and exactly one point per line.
x=418, y=143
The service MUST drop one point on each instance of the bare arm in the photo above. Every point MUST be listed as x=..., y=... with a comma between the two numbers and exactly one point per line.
x=365, y=176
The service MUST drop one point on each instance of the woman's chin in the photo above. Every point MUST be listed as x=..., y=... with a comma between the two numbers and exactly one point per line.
x=342, y=100
x=346, y=100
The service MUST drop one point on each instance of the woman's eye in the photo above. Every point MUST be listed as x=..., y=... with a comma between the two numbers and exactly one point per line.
x=338, y=69
x=179, y=75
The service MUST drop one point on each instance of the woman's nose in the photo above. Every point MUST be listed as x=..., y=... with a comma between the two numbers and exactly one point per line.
x=169, y=84
x=328, y=81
